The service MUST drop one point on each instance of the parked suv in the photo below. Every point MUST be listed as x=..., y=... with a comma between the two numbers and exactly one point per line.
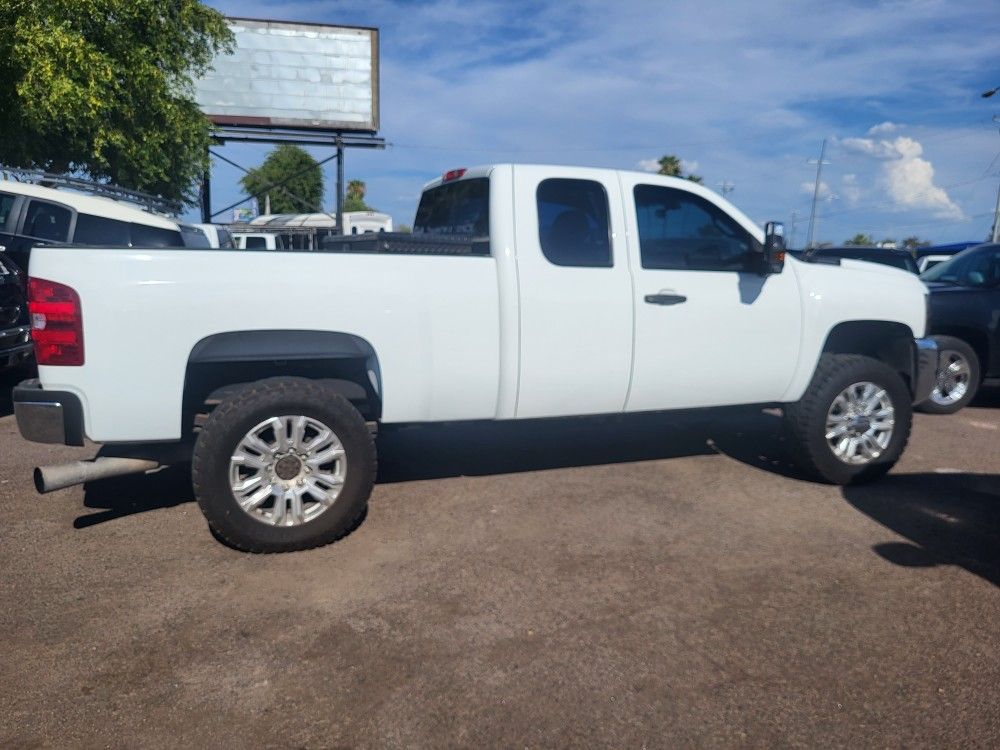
x=32, y=215
x=965, y=322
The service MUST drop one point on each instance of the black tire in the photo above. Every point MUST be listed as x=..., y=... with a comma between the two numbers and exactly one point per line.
x=806, y=419
x=239, y=413
x=949, y=345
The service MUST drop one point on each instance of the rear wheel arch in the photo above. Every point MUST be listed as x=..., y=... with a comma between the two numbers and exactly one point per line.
x=345, y=363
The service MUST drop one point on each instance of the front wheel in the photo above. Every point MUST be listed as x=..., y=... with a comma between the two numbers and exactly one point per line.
x=854, y=421
x=283, y=464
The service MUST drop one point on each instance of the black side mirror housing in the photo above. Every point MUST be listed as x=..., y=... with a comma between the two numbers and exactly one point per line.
x=774, y=248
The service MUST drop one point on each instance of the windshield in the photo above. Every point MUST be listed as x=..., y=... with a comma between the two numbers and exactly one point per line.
x=455, y=208
x=979, y=266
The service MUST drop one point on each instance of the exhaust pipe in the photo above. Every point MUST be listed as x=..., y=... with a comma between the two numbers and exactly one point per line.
x=51, y=478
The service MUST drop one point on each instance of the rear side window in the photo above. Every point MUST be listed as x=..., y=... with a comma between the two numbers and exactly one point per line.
x=6, y=204
x=96, y=230
x=682, y=231
x=146, y=236
x=455, y=208
x=47, y=221
x=573, y=223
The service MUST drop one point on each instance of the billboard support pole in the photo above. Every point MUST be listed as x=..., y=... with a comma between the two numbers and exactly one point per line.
x=340, y=184
x=206, y=195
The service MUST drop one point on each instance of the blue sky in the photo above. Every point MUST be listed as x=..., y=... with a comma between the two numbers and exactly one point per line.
x=743, y=92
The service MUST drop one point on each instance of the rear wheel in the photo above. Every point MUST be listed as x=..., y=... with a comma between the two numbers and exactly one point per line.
x=853, y=422
x=283, y=464
x=957, y=377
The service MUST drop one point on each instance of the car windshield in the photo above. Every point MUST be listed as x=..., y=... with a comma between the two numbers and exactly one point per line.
x=978, y=266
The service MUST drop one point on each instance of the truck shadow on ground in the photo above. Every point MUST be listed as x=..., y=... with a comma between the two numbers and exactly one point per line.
x=421, y=452
x=949, y=519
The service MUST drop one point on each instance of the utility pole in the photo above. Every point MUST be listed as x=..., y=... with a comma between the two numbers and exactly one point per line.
x=812, y=214
x=996, y=219
x=795, y=223
x=726, y=187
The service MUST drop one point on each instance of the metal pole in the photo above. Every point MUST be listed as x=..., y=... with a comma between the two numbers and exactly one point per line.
x=812, y=214
x=996, y=219
x=340, y=185
x=206, y=196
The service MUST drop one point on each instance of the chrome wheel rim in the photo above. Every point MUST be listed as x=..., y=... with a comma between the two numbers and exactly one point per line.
x=952, y=379
x=287, y=470
x=860, y=422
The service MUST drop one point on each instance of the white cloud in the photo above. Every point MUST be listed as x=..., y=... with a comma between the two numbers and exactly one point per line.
x=689, y=167
x=907, y=177
x=649, y=165
x=849, y=187
x=823, y=193
x=883, y=128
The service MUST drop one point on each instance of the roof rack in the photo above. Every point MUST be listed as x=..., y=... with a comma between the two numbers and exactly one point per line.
x=148, y=201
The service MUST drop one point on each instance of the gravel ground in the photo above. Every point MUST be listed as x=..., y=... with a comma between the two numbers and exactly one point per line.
x=655, y=581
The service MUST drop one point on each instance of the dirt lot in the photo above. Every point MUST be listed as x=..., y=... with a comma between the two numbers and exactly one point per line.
x=645, y=582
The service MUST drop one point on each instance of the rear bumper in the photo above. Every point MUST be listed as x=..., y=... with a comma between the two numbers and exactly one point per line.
x=925, y=366
x=48, y=416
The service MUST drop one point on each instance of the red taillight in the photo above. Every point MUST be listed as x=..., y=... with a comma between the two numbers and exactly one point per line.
x=453, y=174
x=56, y=323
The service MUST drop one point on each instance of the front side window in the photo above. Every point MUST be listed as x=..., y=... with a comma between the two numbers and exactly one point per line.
x=96, y=230
x=147, y=236
x=47, y=221
x=979, y=267
x=574, y=223
x=682, y=231
x=459, y=208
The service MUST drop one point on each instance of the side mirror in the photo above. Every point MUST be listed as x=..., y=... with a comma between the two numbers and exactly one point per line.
x=774, y=247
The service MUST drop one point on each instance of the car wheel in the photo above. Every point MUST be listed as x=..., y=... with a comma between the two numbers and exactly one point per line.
x=283, y=464
x=957, y=377
x=853, y=422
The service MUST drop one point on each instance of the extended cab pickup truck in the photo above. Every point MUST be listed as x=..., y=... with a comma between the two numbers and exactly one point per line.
x=525, y=292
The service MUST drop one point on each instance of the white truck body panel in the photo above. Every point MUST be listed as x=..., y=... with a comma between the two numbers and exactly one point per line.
x=432, y=320
x=510, y=335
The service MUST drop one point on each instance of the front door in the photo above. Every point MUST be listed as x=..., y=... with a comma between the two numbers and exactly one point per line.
x=575, y=293
x=708, y=330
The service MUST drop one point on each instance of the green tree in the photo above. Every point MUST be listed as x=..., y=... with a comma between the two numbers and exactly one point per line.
x=104, y=88
x=355, y=198
x=863, y=240
x=912, y=243
x=303, y=191
x=671, y=166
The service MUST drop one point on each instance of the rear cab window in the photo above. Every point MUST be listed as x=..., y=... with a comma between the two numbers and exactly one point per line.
x=459, y=209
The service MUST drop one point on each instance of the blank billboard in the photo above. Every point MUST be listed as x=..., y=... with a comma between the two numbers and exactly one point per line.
x=296, y=75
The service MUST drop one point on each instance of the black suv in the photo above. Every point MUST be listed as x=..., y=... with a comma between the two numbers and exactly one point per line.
x=965, y=320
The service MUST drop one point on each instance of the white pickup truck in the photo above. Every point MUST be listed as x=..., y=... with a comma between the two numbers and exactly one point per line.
x=525, y=292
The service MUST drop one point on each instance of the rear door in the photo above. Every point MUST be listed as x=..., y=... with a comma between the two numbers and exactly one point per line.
x=575, y=292
x=708, y=330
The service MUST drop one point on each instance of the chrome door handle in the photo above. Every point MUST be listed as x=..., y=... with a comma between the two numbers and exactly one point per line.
x=665, y=299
